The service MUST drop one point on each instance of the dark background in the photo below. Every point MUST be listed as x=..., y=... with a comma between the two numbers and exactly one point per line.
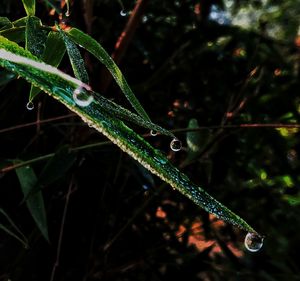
x=222, y=63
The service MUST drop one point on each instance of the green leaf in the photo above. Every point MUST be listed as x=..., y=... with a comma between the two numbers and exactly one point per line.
x=55, y=49
x=98, y=51
x=29, y=6
x=53, y=55
x=75, y=58
x=17, y=234
x=16, y=34
x=55, y=169
x=57, y=166
x=120, y=112
x=35, y=37
x=62, y=86
x=5, y=23
x=35, y=202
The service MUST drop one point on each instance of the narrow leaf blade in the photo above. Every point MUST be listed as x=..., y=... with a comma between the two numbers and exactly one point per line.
x=29, y=6
x=76, y=59
x=92, y=46
x=53, y=54
x=35, y=202
x=61, y=87
x=122, y=113
x=35, y=37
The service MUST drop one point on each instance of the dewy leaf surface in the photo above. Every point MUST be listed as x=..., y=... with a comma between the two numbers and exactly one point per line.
x=76, y=59
x=61, y=87
x=53, y=55
x=35, y=41
x=35, y=37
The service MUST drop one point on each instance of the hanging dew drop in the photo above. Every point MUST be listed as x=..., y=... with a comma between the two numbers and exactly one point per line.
x=30, y=105
x=253, y=242
x=153, y=133
x=82, y=97
x=123, y=13
x=175, y=145
x=67, y=13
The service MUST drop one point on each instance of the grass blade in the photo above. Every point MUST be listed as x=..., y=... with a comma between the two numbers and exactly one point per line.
x=53, y=55
x=61, y=87
x=20, y=238
x=29, y=6
x=35, y=37
x=75, y=57
x=122, y=113
x=92, y=46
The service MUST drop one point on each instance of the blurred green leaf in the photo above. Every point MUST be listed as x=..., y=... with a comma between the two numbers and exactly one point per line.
x=17, y=234
x=29, y=6
x=293, y=200
x=193, y=139
x=97, y=50
x=61, y=86
x=16, y=34
x=34, y=202
x=57, y=166
x=75, y=57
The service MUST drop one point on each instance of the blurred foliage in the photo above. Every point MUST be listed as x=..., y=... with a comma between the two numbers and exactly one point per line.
x=222, y=63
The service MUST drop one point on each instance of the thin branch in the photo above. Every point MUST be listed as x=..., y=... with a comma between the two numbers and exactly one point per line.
x=124, y=40
x=21, y=126
x=61, y=233
x=134, y=216
x=184, y=130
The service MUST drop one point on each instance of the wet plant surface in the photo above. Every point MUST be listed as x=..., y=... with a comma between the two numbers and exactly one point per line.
x=223, y=79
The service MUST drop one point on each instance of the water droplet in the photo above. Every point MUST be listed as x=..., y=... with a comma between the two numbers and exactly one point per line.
x=82, y=97
x=253, y=242
x=175, y=144
x=153, y=133
x=67, y=13
x=123, y=13
x=30, y=105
